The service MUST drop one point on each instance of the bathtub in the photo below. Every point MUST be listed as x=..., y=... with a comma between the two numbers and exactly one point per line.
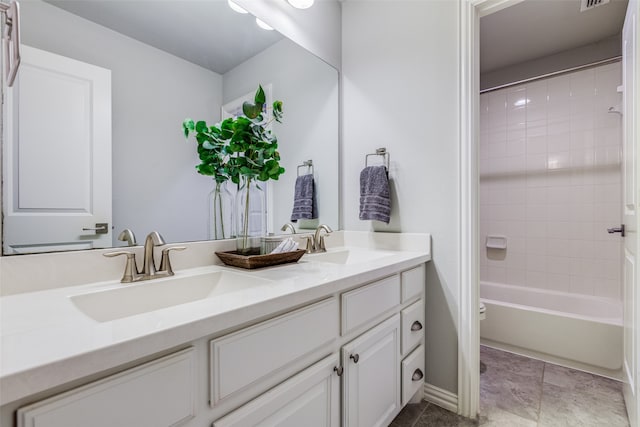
x=580, y=332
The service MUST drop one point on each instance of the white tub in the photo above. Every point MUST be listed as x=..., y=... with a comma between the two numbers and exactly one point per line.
x=578, y=331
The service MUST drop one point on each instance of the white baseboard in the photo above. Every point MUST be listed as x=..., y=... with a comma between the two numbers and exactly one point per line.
x=443, y=398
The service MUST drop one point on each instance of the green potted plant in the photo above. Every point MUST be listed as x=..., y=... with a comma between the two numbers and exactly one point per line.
x=245, y=150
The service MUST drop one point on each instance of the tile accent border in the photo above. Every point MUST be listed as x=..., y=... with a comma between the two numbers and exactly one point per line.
x=441, y=397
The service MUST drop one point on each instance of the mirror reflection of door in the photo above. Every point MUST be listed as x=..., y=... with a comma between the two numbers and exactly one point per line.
x=58, y=136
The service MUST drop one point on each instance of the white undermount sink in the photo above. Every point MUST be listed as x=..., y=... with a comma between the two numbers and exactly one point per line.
x=348, y=256
x=143, y=297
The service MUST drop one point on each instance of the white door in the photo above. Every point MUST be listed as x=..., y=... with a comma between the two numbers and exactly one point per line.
x=57, y=155
x=309, y=399
x=371, y=393
x=630, y=188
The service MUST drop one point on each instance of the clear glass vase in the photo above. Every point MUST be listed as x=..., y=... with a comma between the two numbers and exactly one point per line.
x=250, y=216
x=221, y=206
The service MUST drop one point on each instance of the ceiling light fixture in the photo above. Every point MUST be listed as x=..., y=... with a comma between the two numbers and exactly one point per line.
x=263, y=25
x=301, y=4
x=235, y=7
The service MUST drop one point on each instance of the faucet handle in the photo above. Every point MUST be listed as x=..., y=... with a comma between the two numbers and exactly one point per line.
x=165, y=262
x=130, y=269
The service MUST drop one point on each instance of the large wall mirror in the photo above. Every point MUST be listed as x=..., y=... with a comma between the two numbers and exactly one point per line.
x=111, y=139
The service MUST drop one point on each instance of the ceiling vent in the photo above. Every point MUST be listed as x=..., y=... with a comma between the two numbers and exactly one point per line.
x=590, y=4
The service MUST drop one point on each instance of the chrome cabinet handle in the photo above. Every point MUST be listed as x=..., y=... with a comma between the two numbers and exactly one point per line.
x=417, y=375
x=416, y=326
x=355, y=358
x=339, y=370
x=100, y=228
x=616, y=230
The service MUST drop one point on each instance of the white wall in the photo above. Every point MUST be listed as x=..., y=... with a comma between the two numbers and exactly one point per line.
x=400, y=91
x=317, y=29
x=308, y=88
x=155, y=185
x=550, y=180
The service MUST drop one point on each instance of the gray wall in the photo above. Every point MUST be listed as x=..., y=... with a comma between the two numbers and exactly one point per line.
x=604, y=49
x=308, y=88
x=155, y=185
x=400, y=90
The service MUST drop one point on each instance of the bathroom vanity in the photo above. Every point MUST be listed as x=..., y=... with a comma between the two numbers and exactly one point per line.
x=336, y=339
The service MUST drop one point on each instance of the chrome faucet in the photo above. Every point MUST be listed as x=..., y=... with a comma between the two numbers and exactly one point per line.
x=149, y=271
x=288, y=226
x=315, y=242
x=149, y=266
x=318, y=239
x=127, y=235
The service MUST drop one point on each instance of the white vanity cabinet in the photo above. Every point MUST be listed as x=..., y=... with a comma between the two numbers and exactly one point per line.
x=352, y=358
x=381, y=347
x=371, y=388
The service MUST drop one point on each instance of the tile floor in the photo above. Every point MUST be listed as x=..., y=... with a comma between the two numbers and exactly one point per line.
x=517, y=391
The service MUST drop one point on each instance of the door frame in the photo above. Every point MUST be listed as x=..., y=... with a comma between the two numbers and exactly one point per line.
x=468, y=321
x=469, y=176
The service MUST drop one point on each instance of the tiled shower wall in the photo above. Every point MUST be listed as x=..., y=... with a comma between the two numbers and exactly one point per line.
x=550, y=181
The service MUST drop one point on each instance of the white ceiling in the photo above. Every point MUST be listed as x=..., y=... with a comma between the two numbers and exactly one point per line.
x=536, y=28
x=207, y=33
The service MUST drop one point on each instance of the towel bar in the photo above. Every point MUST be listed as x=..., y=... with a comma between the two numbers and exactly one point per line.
x=308, y=164
x=379, y=152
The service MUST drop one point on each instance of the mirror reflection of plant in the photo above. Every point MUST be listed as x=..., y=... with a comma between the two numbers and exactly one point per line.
x=213, y=159
x=240, y=147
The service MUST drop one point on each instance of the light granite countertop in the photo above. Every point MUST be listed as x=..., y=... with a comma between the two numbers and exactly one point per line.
x=46, y=341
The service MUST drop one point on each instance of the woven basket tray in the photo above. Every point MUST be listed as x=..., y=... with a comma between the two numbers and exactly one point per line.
x=259, y=261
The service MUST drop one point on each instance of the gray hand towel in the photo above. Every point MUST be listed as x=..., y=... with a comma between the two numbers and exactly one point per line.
x=375, y=200
x=304, y=199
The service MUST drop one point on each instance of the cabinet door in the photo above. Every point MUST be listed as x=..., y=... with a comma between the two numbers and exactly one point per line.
x=309, y=399
x=156, y=394
x=371, y=395
x=275, y=344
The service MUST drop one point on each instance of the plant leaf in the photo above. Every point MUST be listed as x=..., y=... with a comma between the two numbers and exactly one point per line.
x=251, y=110
x=201, y=126
x=187, y=126
x=260, y=97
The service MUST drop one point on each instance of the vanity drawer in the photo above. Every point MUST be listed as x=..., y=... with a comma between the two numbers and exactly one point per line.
x=310, y=398
x=246, y=357
x=368, y=302
x=412, y=374
x=159, y=393
x=412, y=283
x=412, y=325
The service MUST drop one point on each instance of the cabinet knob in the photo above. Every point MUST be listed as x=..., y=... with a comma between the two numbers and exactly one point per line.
x=416, y=326
x=355, y=358
x=417, y=375
x=338, y=370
